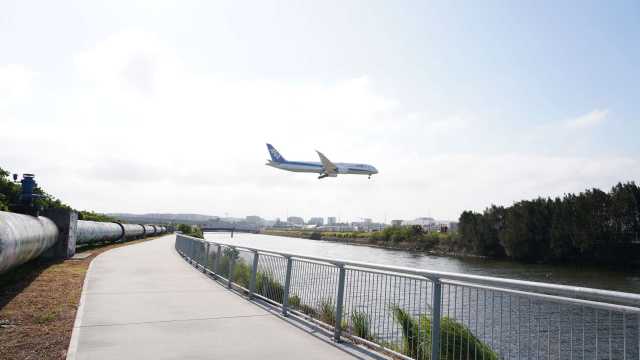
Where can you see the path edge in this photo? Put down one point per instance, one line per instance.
(75, 333)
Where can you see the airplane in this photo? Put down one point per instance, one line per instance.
(325, 167)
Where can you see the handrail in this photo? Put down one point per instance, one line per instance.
(629, 300)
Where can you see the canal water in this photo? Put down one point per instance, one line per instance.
(576, 275)
(513, 326)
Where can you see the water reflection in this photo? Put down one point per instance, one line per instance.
(576, 275)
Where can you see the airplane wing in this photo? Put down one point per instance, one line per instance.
(329, 167)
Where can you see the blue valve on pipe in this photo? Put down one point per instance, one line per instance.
(27, 195)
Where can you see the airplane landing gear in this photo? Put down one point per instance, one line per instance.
(369, 176)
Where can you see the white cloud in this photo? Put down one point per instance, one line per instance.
(16, 82)
(140, 128)
(592, 119)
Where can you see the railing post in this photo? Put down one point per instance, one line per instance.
(287, 285)
(337, 330)
(202, 253)
(216, 261)
(254, 274)
(207, 245)
(231, 261)
(435, 319)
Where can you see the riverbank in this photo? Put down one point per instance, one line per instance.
(38, 304)
(444, 244)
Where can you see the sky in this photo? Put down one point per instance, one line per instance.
(166, 106)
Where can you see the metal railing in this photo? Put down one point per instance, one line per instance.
(421, 314)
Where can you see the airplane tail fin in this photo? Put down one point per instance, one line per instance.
(275, 155)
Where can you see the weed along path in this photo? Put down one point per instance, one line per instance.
(145, 302)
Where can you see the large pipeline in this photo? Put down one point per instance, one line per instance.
(24, 237)
(149, 230)
(132, 231)
(94, 231)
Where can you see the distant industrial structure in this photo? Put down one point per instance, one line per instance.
(255, 223)
(319, 221)
(295, 220)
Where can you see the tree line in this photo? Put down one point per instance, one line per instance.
(10, 198)
(594, 227)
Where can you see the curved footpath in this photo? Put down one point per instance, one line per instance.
(144, 302)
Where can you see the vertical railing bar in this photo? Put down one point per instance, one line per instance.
(475, 348)
(583, 343)
(493, 343)
(484, 318)
(455, 316)
(624, 336)
(338, 326)
(254, 274)
(216, 260)
(549, 336)
(469, 321)
(448, 297)
(412, 309)
(538, 331)
(610, 333)
(529, 328)
(435, 319)
(369, 300)
(206, 262)
(500, 336)
(596, 315)
(231, 261)
(394, 300)
(268, 291)
(518, 329)
(559, 320)
(305, 276)
(571, 332)
(387, 289)
(287, 287)
(348, 282)
(462, 321)
(382, 286)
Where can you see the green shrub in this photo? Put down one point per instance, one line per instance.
(416, 338)
(294, 301)
(269, 287)
(231, 253)
(308, 310)
(360, 325)
(241, 273)
(328, 312)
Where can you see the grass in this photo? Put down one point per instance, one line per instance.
(38, 303)
(269, 287)
(328, 312)
(416, 338)
(360, 325)
(416, 331)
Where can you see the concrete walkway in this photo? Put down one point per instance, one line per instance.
(144, 302)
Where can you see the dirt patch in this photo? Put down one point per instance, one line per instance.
(38, 304)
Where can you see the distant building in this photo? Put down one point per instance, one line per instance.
(367, 226)
(253, 219)
(316, 221)
(396, 222)
(295, 220)
(331, 220)
(425, 222)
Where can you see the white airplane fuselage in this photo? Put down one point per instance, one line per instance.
(326, 168)
(317, 168)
